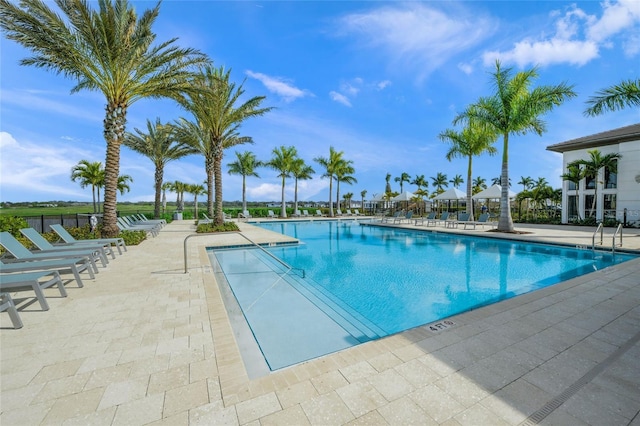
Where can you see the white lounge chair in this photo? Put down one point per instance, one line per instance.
(356, 212)
(319, 214)
(430, 216)
(244, 215)
(305, 213)
(271, 214)
(124, 225)
(69, 239)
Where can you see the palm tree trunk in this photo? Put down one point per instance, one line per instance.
(505, 223)
(469, 190)
(338, 193)
(330, 196)
(157, 201)
(217, 171)
(93, 194)
(114, 129)
(244, 193)
(295, 198)
(283, 213)
(210, 180)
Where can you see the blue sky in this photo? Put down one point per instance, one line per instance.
(376, 80)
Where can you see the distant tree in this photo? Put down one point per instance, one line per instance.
(439, 181)
(109, 50)
(330, 165)
(158, 144)
(195, 190)
(592, 168)
(344, 173)
(347, 199)
(614, 98)
(514, 109)
(166, 186)
(283, 162)
(89, 174)
(456, 181)
(479, 184)
(404, 177)
(363, 194)
(526, 182)
(420, 181)
(245, 166)
(387, 187)
(300, 171)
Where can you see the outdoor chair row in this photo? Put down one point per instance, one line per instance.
(24, 270)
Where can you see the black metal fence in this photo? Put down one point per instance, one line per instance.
(42, 223)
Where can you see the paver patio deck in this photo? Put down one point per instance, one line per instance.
(146, 343)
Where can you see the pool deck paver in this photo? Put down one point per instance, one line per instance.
(145, 343)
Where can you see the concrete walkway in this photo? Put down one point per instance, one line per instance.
(146, 343)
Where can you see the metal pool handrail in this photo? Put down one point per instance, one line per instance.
(613, 244)
(593, 238)
(286, 265)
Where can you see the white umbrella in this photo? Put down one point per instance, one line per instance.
(405, 196)
(494, 192)
(451, 194)
(379, 197)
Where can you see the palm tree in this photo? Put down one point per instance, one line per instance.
(245, 165)
(347, 199)
(299, 171)
(592, 168)
(165, 186)
(479, 184)
(195, 189)
(387, 188)
(472, 141)
(439, 182)
(160, 146)
(216, 125)
(283, 161)
(110, 51)
(363, 194)
(343, 173)
(526, 182)
(614, 98)
(89, 173)
(574, 175)
(514, 108)
(179, 188)
(456, 181)
(330, 165)
(540, 190)
(404, 177)
(420, 181)
(123, 184)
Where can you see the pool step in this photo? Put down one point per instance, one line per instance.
(354, 323)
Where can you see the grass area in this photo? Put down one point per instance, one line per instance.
(124, 209)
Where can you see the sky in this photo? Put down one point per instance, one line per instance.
(376, 80)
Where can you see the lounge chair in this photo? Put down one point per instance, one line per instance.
(131, 222)
(68, 239)
(296, 213)
(483, 220)
(46, 247)
(305, 213)
(348, 213)
(6, 304)
(421, 220)
(442, 219)
(271, 214)
(140, 218)
(463, 219)
(126, 226)
(319, 214)
(31, 281)
(338, 212)
(76, 266)
(23, 255)
(356, 212)
(244, 215)
(393, 218)
(406, 217)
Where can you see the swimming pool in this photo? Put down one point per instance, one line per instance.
(375, 281)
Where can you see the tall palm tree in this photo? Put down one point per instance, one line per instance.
(218, 116)
(574, 175)
(89, 173)
(109, 50)
(160, 146)
(614, 98)
(439, 181)
(456, 181)
(526, 182)
(363, 194)
(387, 188)
(300, 171)
(195, 189)
(479, 184)
(514, 108)
(592, 168)
(404, 177)
(245, 165)
(165, 186)
(420, 181)
(540, 190)
(123, 184)
(347, 199)
(283, 161)
(179, 188)
(344, 173)
(330, 165)
(472, 141)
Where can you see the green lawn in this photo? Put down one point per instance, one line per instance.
(124, 209)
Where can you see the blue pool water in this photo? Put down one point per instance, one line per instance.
(373, 281)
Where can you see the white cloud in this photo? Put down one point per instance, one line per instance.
(417, 36)
(340, 98)
(577, 37)
(39, 101)
(279, 86)
(383, 84)
(465, 68)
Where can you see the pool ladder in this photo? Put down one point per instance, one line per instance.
(600, 229)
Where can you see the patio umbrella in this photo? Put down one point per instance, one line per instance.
(493, 192)
(406, 196)
(451, 194)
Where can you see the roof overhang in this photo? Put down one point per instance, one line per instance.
(610, 137)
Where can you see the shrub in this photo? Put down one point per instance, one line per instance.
(130, 237)
(210, 227)
(13, 224)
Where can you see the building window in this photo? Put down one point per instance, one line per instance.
(590, 182)
(589, 207)
(572, 211)
(571, 186)
(610, 177)
(609, 206)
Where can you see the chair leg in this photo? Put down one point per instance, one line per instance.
(6, 304)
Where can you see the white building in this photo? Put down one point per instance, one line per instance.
(618, 195)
